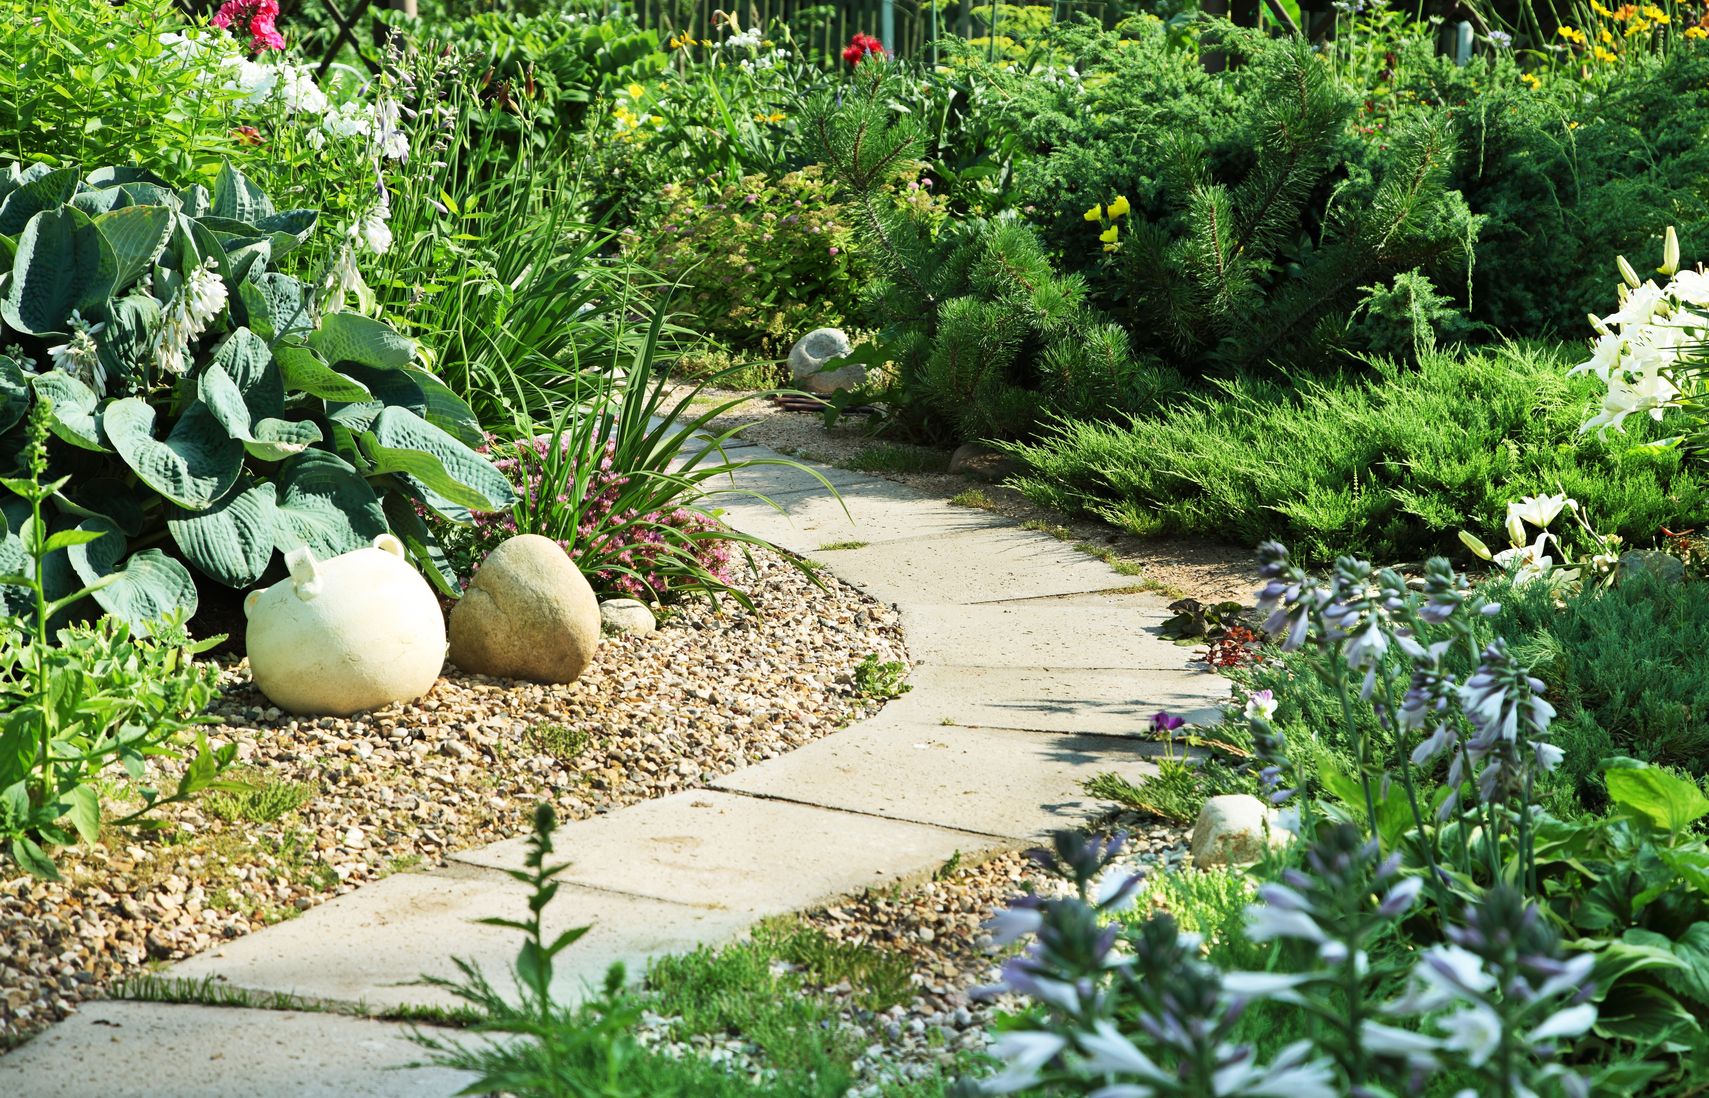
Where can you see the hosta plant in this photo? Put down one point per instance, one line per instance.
(207, 414)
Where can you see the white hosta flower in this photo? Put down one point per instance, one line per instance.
(389, 137)
(1571, 1022)
(1418, 1049)
(348, 120)
(1109, 1053)
(1474, 1031)
(1024, 1055)
(1266, 921)
(80, 354)
(1443, 975)
(198, 301)
(372, 231)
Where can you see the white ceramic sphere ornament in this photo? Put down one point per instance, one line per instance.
(355, 632)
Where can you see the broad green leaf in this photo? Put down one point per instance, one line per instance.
(128, 343)
(447, 410)
(107, 497)
(1654, 796)
(63, 264)
(232, 541)
(148, 586)
(404, 442)
(277, 306)
(236, 198)
(14, 392)
(248, 362)
(74, 407)
(352, 337)
(85, 812)
(267, 439)
(45, 190)
(33, 860)
(288, 229)
(304, 372)
(325, 504)
(195, 465)
(137, 235)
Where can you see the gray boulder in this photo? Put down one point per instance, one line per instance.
(627, 616)
(807, 363)
(1234, 830)
(528, 614)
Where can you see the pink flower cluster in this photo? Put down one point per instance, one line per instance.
(624, 551)
(258, 17)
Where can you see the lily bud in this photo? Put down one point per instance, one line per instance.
(1670, 253)
(1478, 548)
(1515, 529)
(1627, 274)
(1596, 325)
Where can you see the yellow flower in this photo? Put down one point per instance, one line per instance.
(1571, 34)
(636, 92)
(774, 116)
(1530, 80)
(1600, 10)
(1652, 12)
(1603, 55)
(1604, 37)
(1108, 236)
(1096, 213)
(1696, 32)
(683, 41)
(1119, 207)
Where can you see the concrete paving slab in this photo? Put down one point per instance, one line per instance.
(369, 946)
(1081, 631)
(740, 854)
(1104, 703)
(810, 520)
(975, 567)
(1013, 784)
(146, 1050)
(776, 478)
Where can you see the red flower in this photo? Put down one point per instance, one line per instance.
(860, 47)
(258, 16)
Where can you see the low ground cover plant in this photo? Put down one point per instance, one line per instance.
(1392, 467)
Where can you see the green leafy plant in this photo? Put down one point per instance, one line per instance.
(198, 399)
(80, 699)
(881, 679)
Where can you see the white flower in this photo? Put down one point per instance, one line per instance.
(1266, 921)
(1548, 755)
(1539, 511)
(1109, 1053)
(1571, 1022)
(1014, 923)
(1573, 974)
(1261, 705)
(251, 79)
(1264, 985)
(1023, 1054)
(389, 139)
(1526, 562)
(1604, 358)
(1367, 648)
(80, 355)
(1416, 1048)
(1444, 974)
(1475, 1031)
(348, 120)
(300, 93)
(372, 231)
(1691, 287)
(197, 302)
(1640, 306)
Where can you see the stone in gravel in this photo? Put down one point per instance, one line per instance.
(1665, 567)
(627, 616)
(1233, 830)
(528, 614)
(972, 459)
(808, 357)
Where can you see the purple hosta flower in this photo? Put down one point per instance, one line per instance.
(1079, 858)
(1024, 1055)
(1504, 703)
(1328, 904)
(1445, 591)
(1498, 993)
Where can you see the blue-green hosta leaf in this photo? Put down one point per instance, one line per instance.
(74, 406)
(37, 191)
(235, 197)
(95, 201)
(325, 504)
(352, 337)
(193, 466)
(15, 601)
(446, 410)
(63, 264)
(277, 306)
(137, 235)
(105, 497)
(304, 372)
(403, 442)
(265, 437)
(127, 343)
(150, 584)
(288, 229)
(123, 176)
(232, 541)
(14, 392)
(248, 363)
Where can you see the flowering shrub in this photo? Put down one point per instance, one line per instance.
(862, 46)
(255, 16)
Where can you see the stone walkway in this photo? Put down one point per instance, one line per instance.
(1034, 665)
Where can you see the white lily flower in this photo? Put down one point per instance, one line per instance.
(1539, 511)
(1639, 307)
(1691, 287)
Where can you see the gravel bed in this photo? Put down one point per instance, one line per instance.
(345, 801)
(939, 927)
